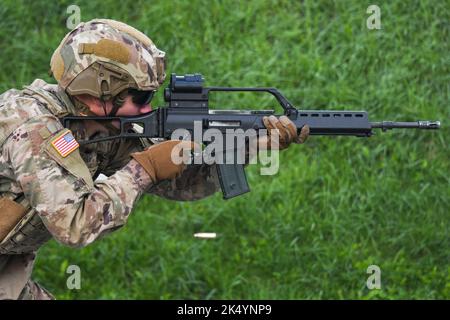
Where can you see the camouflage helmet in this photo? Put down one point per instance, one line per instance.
(104, 57)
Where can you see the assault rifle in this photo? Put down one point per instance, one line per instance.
(188, 100)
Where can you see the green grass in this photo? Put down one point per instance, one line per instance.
(337, 204)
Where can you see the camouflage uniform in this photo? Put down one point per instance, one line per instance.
(59, 195)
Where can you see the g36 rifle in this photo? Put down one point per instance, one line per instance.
(188, 101)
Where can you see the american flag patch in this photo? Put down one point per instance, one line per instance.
(65, 143)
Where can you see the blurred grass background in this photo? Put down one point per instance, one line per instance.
(337, 204)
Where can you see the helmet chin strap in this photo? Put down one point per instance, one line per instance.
(118, 102)
(104, 107)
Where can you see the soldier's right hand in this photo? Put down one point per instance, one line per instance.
(165, 160)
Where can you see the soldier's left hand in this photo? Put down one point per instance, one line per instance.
(287, 133)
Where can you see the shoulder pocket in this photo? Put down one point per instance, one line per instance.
(71, 162)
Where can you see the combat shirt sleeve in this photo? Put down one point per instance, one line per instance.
(74, 209)
(196, 182)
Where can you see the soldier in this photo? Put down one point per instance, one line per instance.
(48, 185)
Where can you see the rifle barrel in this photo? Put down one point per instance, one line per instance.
(387, 125)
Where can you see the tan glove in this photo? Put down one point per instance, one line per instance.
(287, 133)
(157, 159)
